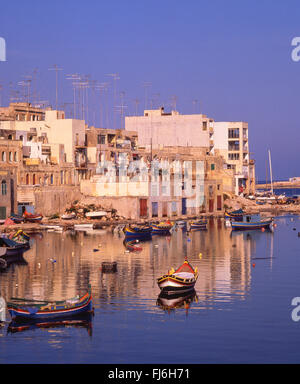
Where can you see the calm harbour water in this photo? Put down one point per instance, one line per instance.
(241, 312)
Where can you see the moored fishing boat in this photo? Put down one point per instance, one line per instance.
(21, 237)
(198, 224)
(96, 214)
(252, 222)
(11, 247)
(181, 280)
(235, 215)
(31, 218)
(20, 308)
(138, 231)
(68, 216)
(17, 219)
(163, 228)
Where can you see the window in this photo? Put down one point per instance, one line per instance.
(3, 188)
(233, 156)
(51, 179)
(233, 133)
(204, 126)
(10, 156)
(15, 157)
(233, 145)
(212, 167)
(101, 139)
(3, 156)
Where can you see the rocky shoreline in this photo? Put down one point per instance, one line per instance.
(113, 220)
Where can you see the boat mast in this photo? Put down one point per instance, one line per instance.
(271, 176)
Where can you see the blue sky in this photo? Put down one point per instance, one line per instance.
(234, 57)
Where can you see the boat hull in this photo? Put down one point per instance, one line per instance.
(131, 233)
(52, 312)
(236, 225)
(161, 230)
(171, 283)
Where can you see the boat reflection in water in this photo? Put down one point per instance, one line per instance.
(80, 321)
(169, 302)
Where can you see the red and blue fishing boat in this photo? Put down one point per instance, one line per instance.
(138, 231)
(31, 218)
(252, 222)
(10, 247)
(27, 309)
(235, 215)
(198, 224)
(181, 280)
(163, 228)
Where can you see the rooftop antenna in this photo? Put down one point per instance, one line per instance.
(146, 85)
(155, 100)
(115, 77)
(74, 77)
(24, 84)
(34, 93)
(121, 108)
(195, 101)
(174, 102)
(103, 88)
(56, 69)
(136, 102)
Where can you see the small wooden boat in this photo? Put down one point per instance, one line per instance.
(20, 308)
(69, 216)
(31, 218)
(96, 215)
(162, 228)
(251, 222)
(198, 224)
(235, 215)
(17, 219)
(181, 280)
(11, 247)
(138, 231)
(20, 237)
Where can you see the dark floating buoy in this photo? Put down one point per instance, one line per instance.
(298, 234)
(294, 229)
(109, 266)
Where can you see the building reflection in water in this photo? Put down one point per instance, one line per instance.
(61, 265)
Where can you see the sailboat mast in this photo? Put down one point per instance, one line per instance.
(271, 176)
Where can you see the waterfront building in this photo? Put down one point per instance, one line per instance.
(231, 141)
(158, 129)
(10, 155)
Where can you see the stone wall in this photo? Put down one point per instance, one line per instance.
(51, 200)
